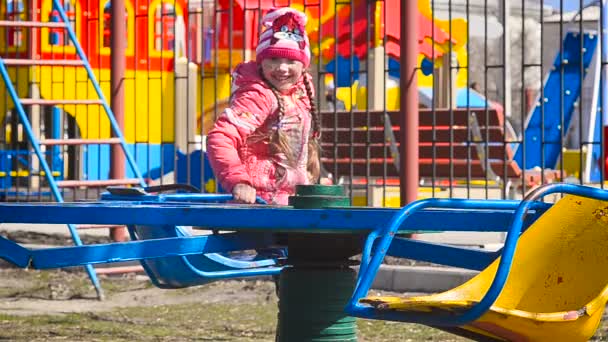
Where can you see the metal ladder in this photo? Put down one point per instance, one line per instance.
(36, 143)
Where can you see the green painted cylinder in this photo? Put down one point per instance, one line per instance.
(319, 196)
(316, 286)
(319, 190)
(311, 305)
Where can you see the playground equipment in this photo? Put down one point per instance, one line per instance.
(17, 97)
(524, 291)
(545, 127)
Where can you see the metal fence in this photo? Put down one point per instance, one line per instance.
(509, 93)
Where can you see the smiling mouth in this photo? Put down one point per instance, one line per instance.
(282, 78)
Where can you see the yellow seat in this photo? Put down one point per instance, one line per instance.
(556, 290)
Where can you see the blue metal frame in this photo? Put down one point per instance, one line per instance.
(370, 269)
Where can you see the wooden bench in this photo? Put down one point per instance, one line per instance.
(453, 144)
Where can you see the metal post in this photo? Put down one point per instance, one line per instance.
(118, 66)
(506, 56)
(117, 97)
(408, 149)
(34, 92)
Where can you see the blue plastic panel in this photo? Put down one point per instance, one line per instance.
(542, 136)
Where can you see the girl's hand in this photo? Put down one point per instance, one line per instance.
(244, 193)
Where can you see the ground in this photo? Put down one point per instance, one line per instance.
(61, 305)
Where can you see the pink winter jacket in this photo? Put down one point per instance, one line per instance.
(238, 144)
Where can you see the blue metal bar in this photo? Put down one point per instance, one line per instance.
(144, 249)
(356, 309)
(14, 253)
(113, 123)
(473, 259)
(367, 250)
(239, 217)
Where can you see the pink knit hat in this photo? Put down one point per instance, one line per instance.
(285, 36)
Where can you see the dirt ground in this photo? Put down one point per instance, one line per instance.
(22, 292)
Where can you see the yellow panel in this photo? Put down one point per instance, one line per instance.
(572, 161)
(392, 98)
(21, 74)
(348, 95)
(557, 288)
(149, 102)
(360, 201)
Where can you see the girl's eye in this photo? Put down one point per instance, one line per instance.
(284, 28)
(296, 31)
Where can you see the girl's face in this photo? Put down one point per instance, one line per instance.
(282, 73)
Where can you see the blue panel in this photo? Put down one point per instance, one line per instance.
(394, 68)
(158, 159)
(542, 139)
(6, 164)
(348, 71)
(465, 98)
(595, 173)
(96, 162)
(189, 169)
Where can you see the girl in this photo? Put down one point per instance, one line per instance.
(266, 141)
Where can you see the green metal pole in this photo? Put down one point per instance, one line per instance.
(317, 283)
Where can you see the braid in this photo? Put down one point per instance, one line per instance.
(279, 143)
(316, 124)
(314, 148)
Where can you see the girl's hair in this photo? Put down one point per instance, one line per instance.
(314, 147)
(279, 143)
